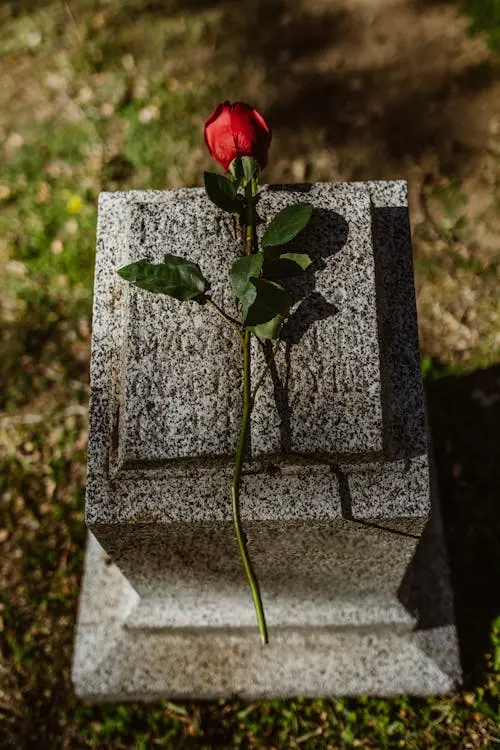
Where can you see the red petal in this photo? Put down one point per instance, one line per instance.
(243, 128)
(219, 135)
(263, 124)
(237, 129)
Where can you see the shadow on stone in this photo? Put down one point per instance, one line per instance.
(402, 404)
(425, 589)
(464, 414)
(325, 236)
(347, 511)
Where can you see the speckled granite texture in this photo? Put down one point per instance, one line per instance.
(181, 375)
(119, 656)
(336, 497)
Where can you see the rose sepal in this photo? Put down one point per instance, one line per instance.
(245, 170)
(223, 193)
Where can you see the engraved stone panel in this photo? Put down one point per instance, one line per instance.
(181, 364)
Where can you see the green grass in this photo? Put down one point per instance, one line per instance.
(485, 18)
(57, 207)
(128, 113)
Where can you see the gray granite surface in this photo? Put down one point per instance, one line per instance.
(120, 655)
(336, 495)
(149, 377)
(307, 563)
(181, 366)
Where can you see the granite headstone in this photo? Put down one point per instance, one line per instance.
(337, 501)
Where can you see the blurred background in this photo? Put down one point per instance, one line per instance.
(111, 95)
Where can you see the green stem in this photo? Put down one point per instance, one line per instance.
(235, 488)
(243, 440)
(224, 315)
(250, 219)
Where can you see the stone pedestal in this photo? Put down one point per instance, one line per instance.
(337, 500)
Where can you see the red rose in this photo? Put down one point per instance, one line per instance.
(234, 130)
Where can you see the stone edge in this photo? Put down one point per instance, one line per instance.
(106, 349)
(113, 662)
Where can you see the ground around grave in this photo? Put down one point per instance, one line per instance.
(109, 94)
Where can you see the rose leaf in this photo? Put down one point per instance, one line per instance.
(287, 224)
(175, 277)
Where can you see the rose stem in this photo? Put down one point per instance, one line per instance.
(240, 453)
(250, 219)
(224, 315)
(235, 487)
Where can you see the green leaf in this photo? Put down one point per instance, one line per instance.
(222, 192)
(279, 265)
(247, 299)
(244, 169)
(270, 300)
(269, 330)
(287, 224)
(250, 167)
(236, 171)
(272, 296)
(301, 259)
(176, 277)
(242, 271)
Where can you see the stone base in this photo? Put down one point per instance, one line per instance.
(122, 656)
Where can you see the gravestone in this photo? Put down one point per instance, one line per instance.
(337, 500)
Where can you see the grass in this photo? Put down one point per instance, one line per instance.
(112, 96)
(485, 17)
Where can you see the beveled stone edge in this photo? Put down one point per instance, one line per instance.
(120, 466)
(106, 347)
(101, 641)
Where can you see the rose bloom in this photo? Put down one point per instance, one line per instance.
(235, 130)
